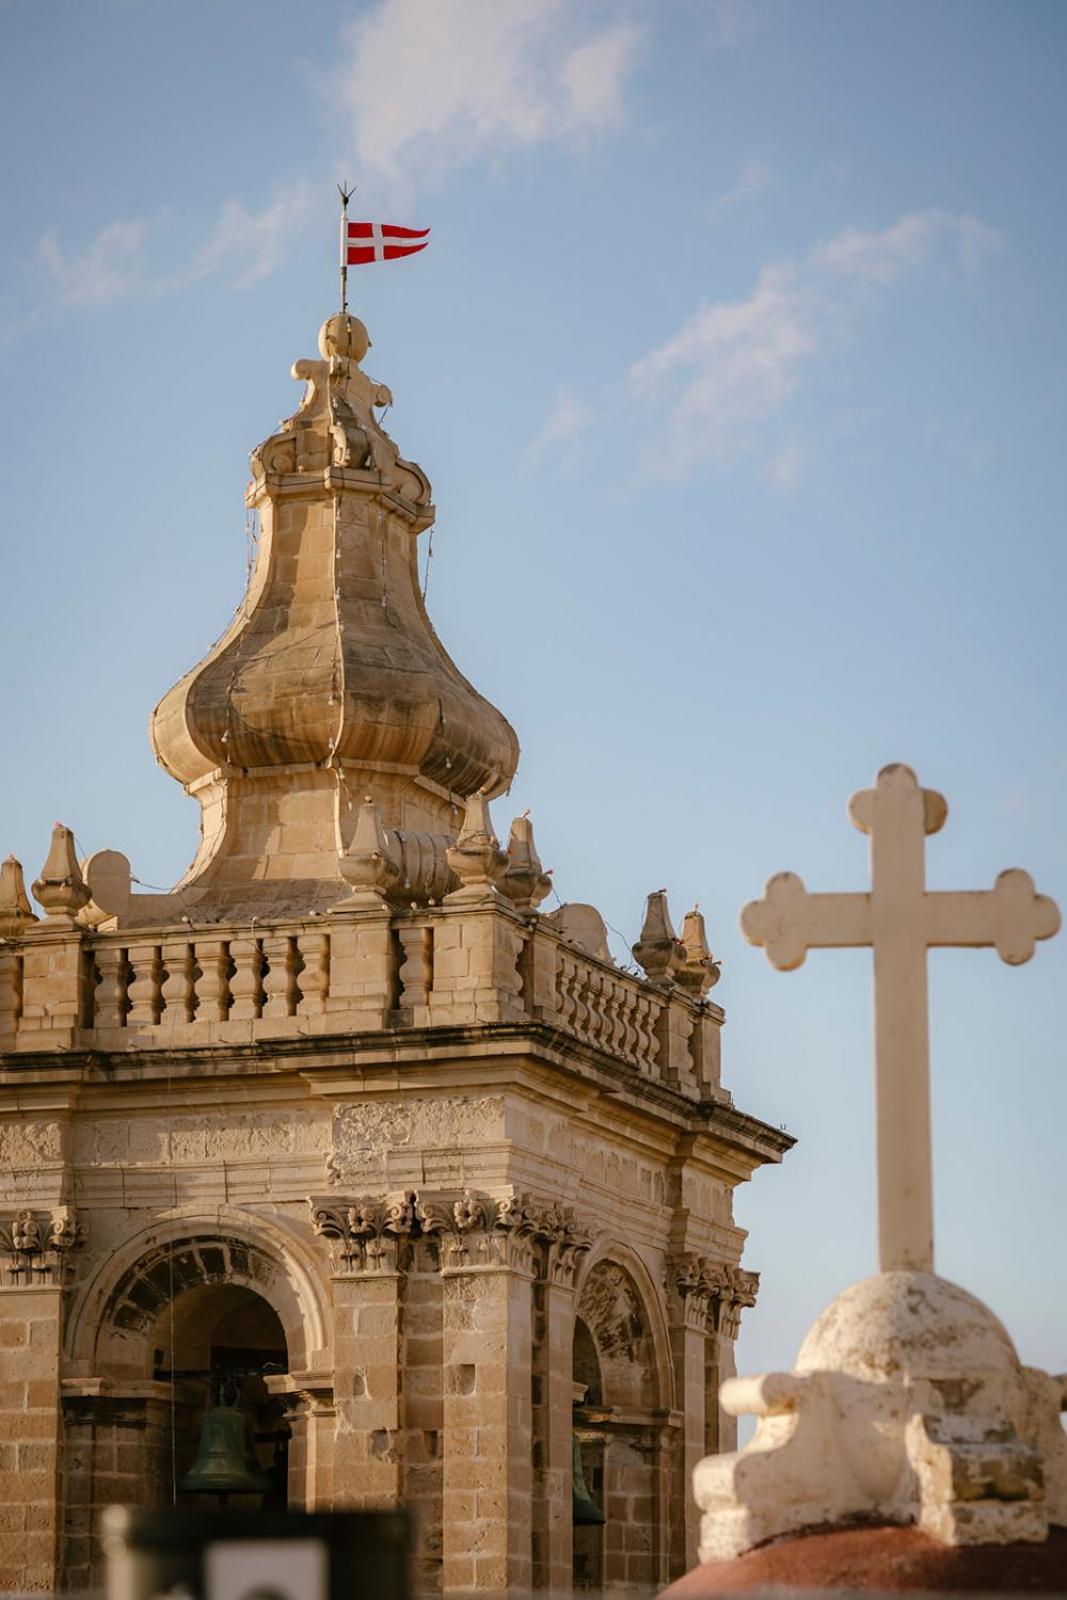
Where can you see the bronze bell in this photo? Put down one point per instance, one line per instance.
(584, 1510)
(225, 1459)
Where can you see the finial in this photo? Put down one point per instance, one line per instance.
(476, 857)
(345, 337)
(16, 914)
(701, 971)
(525, 882)
(61, 888)
(659, 951)
(369, 864)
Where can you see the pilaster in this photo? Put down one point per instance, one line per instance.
(487, 1325)
(564, 1244)
(367, 1455)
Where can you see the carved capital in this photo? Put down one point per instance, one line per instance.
(40, 1250)
(693, 1281)
(364, 1234)
(472, 1231)
(740, 1291)
(708, 1296)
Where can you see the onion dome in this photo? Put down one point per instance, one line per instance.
(330, 673)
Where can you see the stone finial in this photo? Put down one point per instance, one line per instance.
(659, 950)
(16, 914)
(701, 971)
(61, 889)
(525, 882)
(476, 857)
(369, 864)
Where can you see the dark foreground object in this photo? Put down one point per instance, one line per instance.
(885, 1559)
(256, 1555)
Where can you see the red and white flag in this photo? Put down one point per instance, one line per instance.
(380, 241)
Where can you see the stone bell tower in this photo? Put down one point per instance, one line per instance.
(344, 1126)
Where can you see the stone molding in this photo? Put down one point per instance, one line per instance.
(39, 1253)
(473, 1231)
(709, 1296)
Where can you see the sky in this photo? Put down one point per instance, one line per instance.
(736, 361)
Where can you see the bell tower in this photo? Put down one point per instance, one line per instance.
(344, 1137)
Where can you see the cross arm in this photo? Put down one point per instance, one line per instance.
(1010, 916)
(788, 921)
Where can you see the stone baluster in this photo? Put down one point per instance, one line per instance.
(213, 984)
(314, 980)
(246, 984)
(110, 1003)
(279, 980)
(179, 987)
(416, 965)
(145, 996)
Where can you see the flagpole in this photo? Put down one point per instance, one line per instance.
(346, 195)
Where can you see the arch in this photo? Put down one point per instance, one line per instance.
(109, 1328)
(607, 1251)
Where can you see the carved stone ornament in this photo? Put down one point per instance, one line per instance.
(40, 1253)
(710, 1295)
(701, 971)
(659, 950)
(472, 1230)
(525, 882)
(61, 889)
(16, 914)
(476, 857)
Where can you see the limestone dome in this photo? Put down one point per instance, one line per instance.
(906, 1325)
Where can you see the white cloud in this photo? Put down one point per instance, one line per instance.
(881, 258)
(595, 73)
(247, 246)
(726, 370)
(753, 179)
(111, 267)
(716, 386)
(568, 417)
(250, 243)
(437, 84)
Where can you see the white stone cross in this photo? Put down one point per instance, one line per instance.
(901, 919)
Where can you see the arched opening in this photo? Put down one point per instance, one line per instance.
(218, 1344)
(618, 1422)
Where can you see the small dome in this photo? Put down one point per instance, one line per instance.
(907, 1325)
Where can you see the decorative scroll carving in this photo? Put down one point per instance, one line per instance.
(40, 1253)
(709, 1296)
(472, 1230)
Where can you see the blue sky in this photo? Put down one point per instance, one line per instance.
(736, 362)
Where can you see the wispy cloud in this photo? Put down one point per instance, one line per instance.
(727, 369)
(716, 384)
(244, 247)
(434, 86)
(569, 416)
(110, 267)
(880, 258)
(248, 246)
(754, 179)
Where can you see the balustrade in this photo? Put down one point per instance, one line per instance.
(272, 980)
